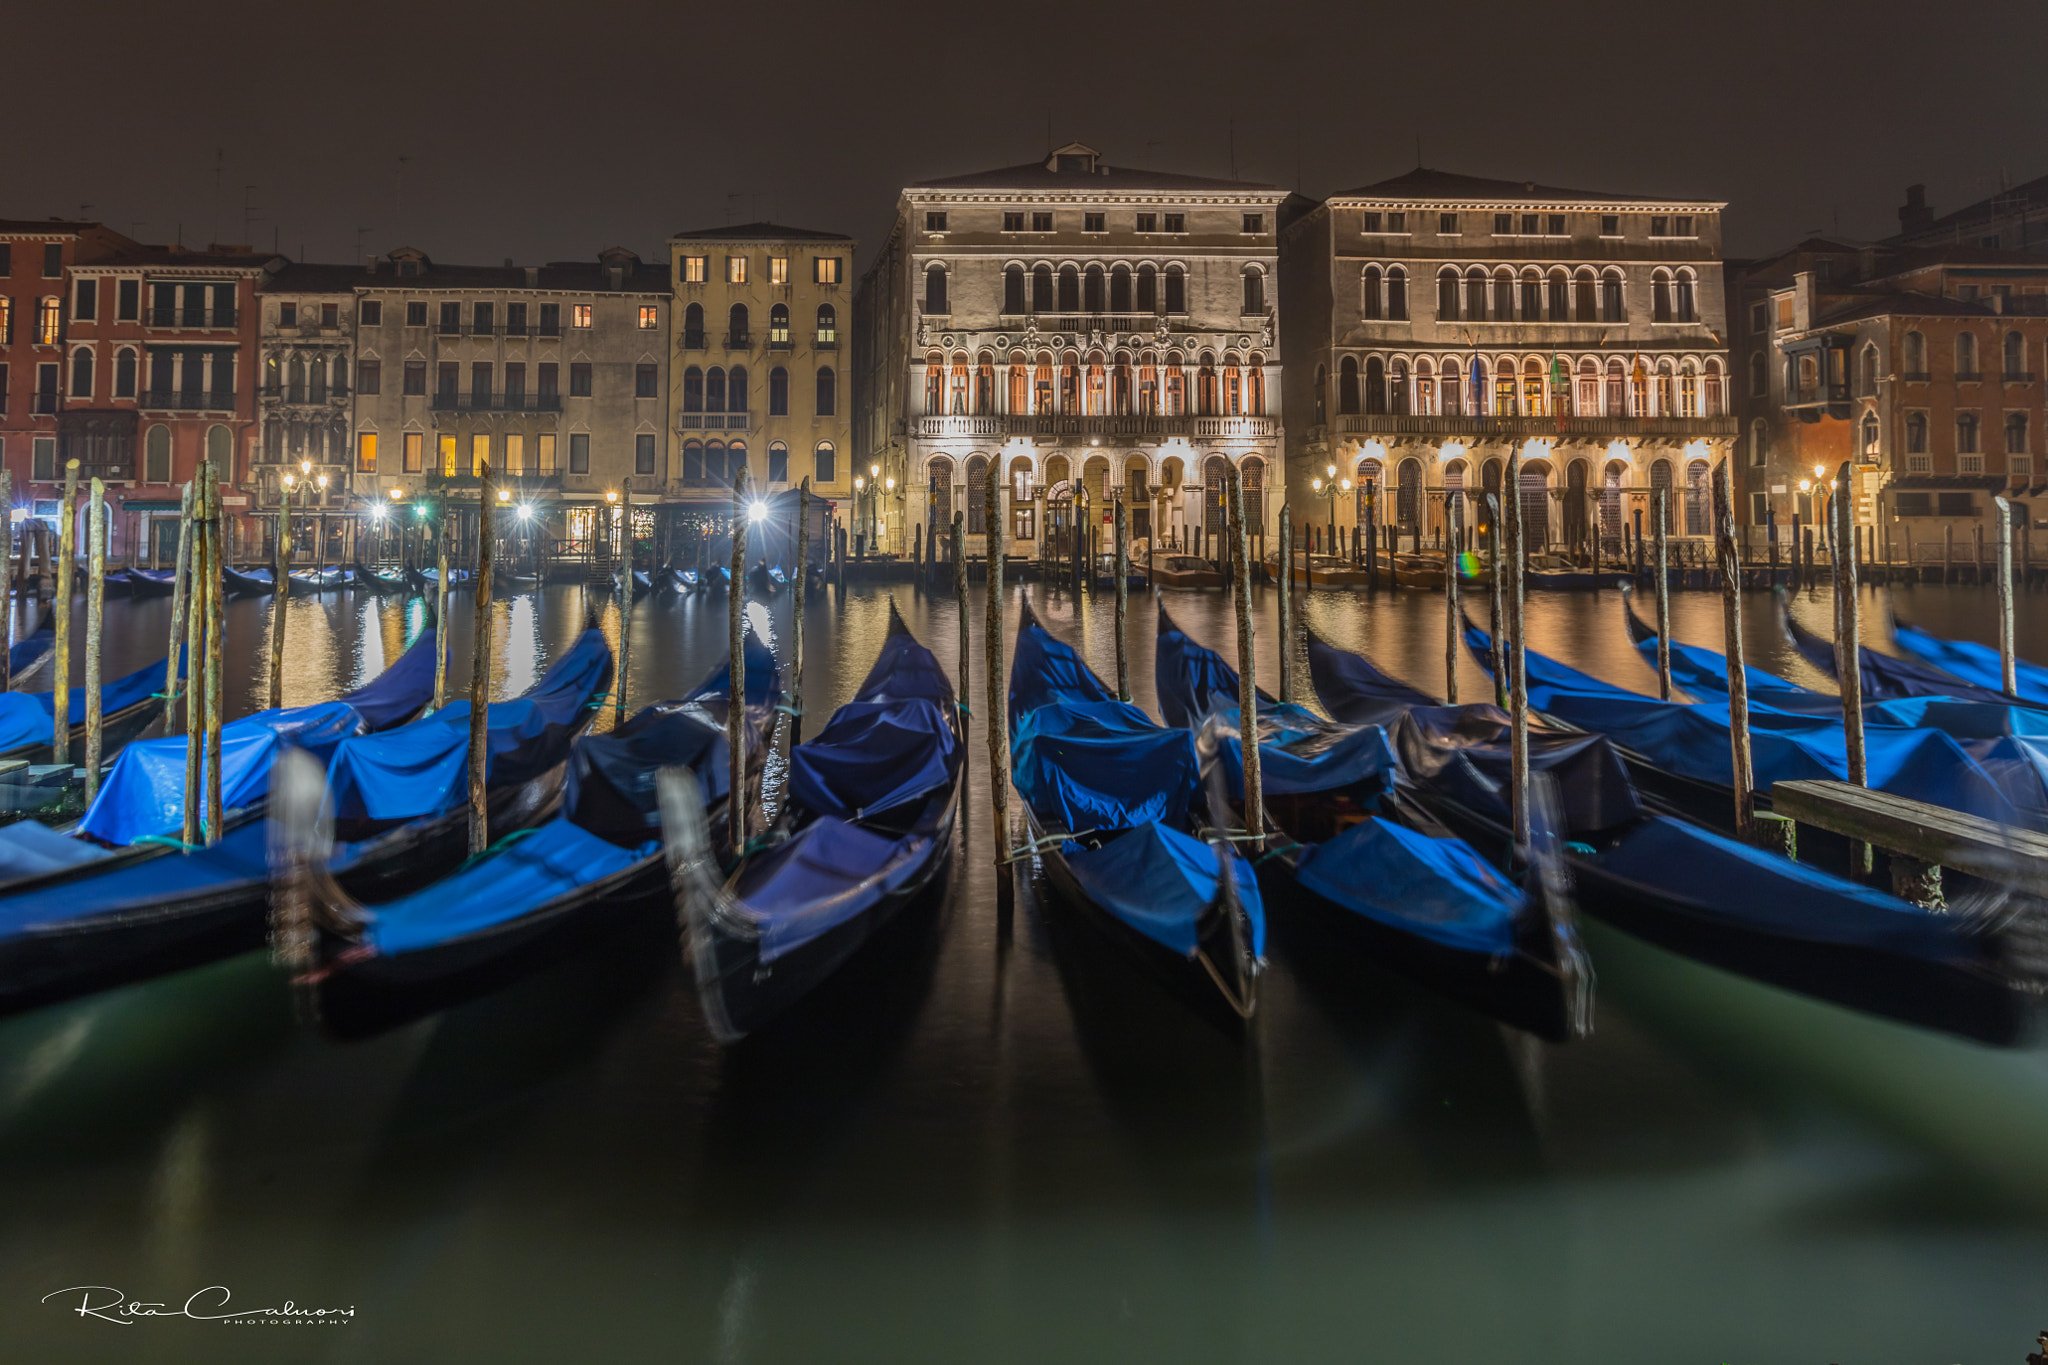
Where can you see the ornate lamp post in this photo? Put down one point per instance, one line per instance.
(1329, 486)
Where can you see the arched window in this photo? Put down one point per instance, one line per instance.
(824, 463)
(295, 379)
(985, 386)
(1205, 393)
(1584, 304)
(1254, 470)
(935, 289)
(1532, 295)
(316, 374)
(1610, 499)
(1375, 386)
(1916, 433)
(1447, 295)
(1347, 385)
(1408, 494)
(1916, 355)
(1574, 507)
(157, 455)
(1233, 388)
(1397, 294)
(735, 460)
(693, 461)
(1870, 437)
(1425, 388)
(977, 495)
(1612, 308)
(1070, 388)
(736, 326)
(1013, 290)
(1866, 372)
(938, 472)
(828, 392)
(1120, 386)
(693, 389)
(1966, 434)
(828, 325)
(1586, 398)
(1148, 289)
(273, 440)
(1120, 289)
(1504, 295)
(1560, 296)
(1176, 388)
(1616, 399)
(81, 373)
(1535, 388)
(1699, 519)
(1176, 290)
(1093, 296)
(693, 337)
(1684, 305)
(1397, 387)
(714, 389)
(1254, 293)
(1041, 289)
(2015, 355)
(1369, 293)
(1475, 294)
(736, 389)
(1255, 387)
(778, 325)
(714, 462)
(1660, 296)
(778, 462)
(957, 404)
(1688, 391)
(1716, 396)
(1449, 394)
(1664, 389)
(1966, 355)
(1070, 289)
(2015, 433)
(778, 392)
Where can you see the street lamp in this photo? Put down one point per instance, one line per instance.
(1330, 486)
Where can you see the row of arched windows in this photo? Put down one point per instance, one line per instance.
(725, 390)
(1573, 505)
(719, 462)
(1124, 386)
(1504, 294)
(84, 379)
(738, 323)
(1968, 363)
(304, 381)
(1070, 288)
(1968, 438)
(1060, 485)
(1529, 386)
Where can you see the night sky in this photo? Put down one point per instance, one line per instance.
(546, 132)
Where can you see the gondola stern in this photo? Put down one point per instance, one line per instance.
(696, 890)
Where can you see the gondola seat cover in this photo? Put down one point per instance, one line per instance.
(1748, 886)
(893, 743)
(29, 848)
(555, 859)
(1972, 662)
(1438, 889)
(26, 717)
(145, 792)
(1103, 766)
(821, 879)
(422, 769)
(1162, 882)
(1300, 753)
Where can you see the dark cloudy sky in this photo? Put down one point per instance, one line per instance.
(548, 131)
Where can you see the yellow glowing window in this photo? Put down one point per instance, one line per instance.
(735, 270)
(48, 313)
(366, 452)
(650, 316)
(414, 441)
(694, 269)
(546, 451)
(479, 453)
(515, 453)
(825, 270)
(448, 457)
(778, 270)
(579, 315)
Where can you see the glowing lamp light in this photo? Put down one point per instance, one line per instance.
(377, 512)
(757, 511)
(396, 494)
(859, 483)
(288, 481)
(1329, 471)
(305, 467)
(525, 510)
(323, 483)
(611, 495)
(1820, 471)
(504, 495)
(1805, 485)
(1316, 484)
(423, 511)
(891, 485)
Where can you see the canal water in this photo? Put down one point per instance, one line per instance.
(992, 1141)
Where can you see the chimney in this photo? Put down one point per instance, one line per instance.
(618, 276)
(1915, 215)
(370, 262)
(533, 277)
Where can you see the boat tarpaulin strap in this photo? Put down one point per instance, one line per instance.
(1162, 882)
(1438, 889)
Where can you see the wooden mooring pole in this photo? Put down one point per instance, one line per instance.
(992, 663)
(1452, 627)
(1738, 679)
(736, 668)
(1517, 679)
(959, 553)
(796, 610)
(480, 671)
(216, 635)
(175, 671)
(1849, 652)
(1660, 517)
(280, 595)
(1123, 574)
(95, 611)
(1286, 605)
(60, 669)
(1247, 668)
(2008, 674)
(1497, 618)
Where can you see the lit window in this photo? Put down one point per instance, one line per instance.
(693, 269)
(735, 270)
(778, 270)
(579, 315)
(48, 320)
(448, 457)
(546, 444)
(825, 270)
(414, 440)
(479, 453)
(650, 316)
(366, 452)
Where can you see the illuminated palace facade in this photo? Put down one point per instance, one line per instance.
(1435, 322)
(1067, 323)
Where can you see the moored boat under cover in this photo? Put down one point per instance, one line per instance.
(1972, 662)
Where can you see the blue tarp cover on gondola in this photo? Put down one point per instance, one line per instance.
(553, 860)
(1767, 892)
(32, 649)
(26, 718)
(238, 860)
(422, 769)
(1193, 681)
(1438, 889)
(1300, 753)
(145, 792)
(892, 743)
(1972, 662)
(1885, 677)
(1692, 740)
(1103, 766)
(400, 690)
(1047, 670)
(1161, 882)
(828, 872)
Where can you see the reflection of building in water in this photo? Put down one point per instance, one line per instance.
(1435, 322)
(1080, 328)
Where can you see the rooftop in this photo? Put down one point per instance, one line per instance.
(1426, 183)
(759, 232)
(1078, 168)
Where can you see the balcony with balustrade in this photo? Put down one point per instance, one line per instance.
(1001, 426)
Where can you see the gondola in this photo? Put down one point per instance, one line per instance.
(1185, 571)
(868, 827)
(1886, 677)
(127, 705)
(505, 582)
(1355, 859)
(1971, 662)
(1694, 891)
(1679, 752)
(427, 582)
(1320, 571)
(370, 580)
(1109, 797)
(246, 582)
(1554, 573)
(594, 864)
(152, 582)
(1412, 570)
(33, 651)
(683, 580)
(321, 580)
(766, 580)
(117, 583)
(120, 898)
